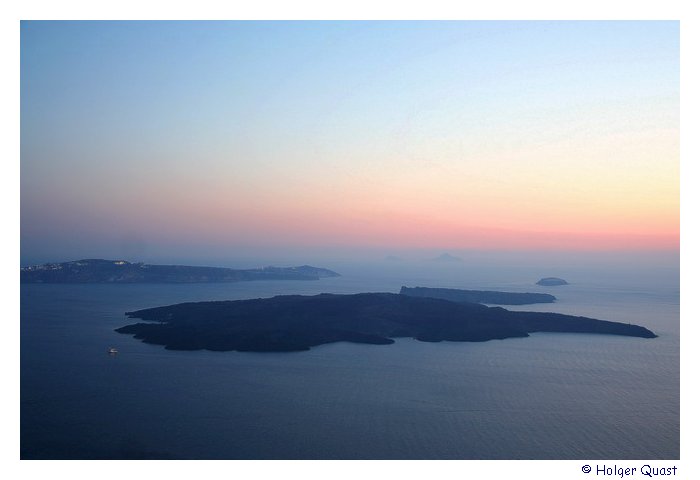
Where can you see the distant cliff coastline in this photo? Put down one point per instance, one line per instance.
(120, 271)
(479, 296)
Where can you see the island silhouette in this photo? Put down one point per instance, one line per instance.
(296, 322)
(479, 296)
(121, 271)
(551, 282)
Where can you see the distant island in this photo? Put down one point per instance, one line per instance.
(446, 257)
(551, 281)
(296, 323)
(121, 271)
(479, 296)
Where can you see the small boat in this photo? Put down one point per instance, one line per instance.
(112, 351)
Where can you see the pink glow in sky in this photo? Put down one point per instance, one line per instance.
(486, 135)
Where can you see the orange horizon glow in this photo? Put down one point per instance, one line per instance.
(531, 140)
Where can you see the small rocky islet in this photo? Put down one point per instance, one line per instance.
(551, 282)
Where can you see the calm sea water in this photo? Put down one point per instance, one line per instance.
(550, 396)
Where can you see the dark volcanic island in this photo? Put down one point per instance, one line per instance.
(479, 296)
(293, 322)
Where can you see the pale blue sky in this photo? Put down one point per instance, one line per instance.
(121, 114)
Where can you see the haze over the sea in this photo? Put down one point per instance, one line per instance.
(203, 141)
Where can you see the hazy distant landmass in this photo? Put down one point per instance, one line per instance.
(479, 296)
(446, 257)
(294, 322)
(120, 271)
(551, 281)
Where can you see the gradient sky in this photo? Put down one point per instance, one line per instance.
(140, 137)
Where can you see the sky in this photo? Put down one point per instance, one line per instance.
(205, 139)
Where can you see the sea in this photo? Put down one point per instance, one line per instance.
(548, 396)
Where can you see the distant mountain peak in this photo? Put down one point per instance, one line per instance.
(446, 257)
